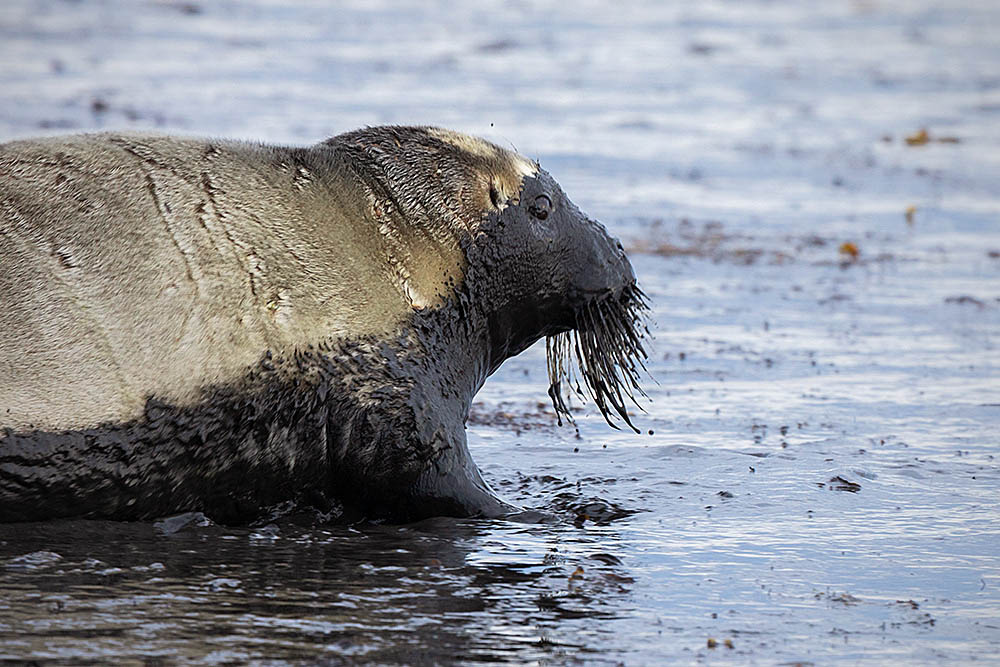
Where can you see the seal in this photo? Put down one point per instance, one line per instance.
(227, 327)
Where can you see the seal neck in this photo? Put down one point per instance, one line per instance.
(473, 334)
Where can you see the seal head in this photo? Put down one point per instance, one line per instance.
(564, 277)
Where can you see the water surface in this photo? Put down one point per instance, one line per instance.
(816, 479)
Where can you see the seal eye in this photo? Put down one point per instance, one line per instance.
(541, 207)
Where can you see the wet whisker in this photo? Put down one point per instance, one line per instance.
(607, 344)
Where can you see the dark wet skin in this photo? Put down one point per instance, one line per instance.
(362, 428)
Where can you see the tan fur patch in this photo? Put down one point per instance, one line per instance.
(518, 164)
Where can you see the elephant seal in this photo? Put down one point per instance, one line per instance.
(226, 327)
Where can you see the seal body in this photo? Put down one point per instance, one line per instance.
(219, 326)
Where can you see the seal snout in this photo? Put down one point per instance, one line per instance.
(607, 272)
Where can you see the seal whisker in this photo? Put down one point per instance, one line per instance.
(606, 364)
(630, 351)
(607, 343)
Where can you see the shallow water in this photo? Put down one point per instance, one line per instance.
(816, 480)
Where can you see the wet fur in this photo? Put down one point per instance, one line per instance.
(342, 427)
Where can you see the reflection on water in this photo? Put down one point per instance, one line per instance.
(431, 592)
(817, 476)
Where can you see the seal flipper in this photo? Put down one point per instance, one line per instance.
(452, 485)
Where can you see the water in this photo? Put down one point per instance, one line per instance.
(816, 480)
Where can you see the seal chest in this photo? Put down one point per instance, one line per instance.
(222, 326)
